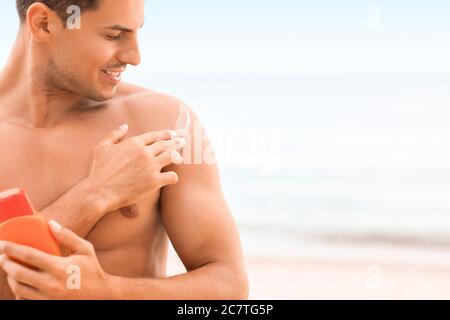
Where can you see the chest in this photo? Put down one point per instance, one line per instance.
(44, 166)
(48, 166)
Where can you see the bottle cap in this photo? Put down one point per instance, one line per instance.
(14, 203)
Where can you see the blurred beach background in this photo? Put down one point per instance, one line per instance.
(331, 122)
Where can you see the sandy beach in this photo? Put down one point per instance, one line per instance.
(322, 279)
(382, 273)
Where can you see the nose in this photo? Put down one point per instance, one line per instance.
(130, 54)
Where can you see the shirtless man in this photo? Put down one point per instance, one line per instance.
(121, 192)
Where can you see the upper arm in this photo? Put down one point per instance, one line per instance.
(194, 211)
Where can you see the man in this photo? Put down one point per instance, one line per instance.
(120, 191)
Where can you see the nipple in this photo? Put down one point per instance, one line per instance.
(130, 211)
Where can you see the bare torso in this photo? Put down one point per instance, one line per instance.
(49, 161)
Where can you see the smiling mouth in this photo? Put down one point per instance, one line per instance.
(114, 76)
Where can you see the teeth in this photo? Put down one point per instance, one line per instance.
(113, 74)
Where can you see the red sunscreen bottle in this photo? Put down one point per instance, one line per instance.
(20, 224)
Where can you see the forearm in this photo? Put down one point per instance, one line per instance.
(214, 281)
(79, 209)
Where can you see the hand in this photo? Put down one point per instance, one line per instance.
(126, 171)
(78, 276)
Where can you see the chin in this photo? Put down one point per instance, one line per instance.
(103, 95)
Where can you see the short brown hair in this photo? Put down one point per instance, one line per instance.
(59, 6)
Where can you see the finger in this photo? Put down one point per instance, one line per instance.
(22, 274)
(69, 239)
(162, 146)
(169, 178)
(114, 137)
(24, 292)
(28, 255)
(149, 138)
(169, 157)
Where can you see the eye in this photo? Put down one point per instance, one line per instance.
(113, 37)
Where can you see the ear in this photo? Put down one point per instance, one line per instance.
(41, 21)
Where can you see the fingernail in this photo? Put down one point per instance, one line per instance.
(55, 226)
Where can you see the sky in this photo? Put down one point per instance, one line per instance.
(312, 37)
(293, 36)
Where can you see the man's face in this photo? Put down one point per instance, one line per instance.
(88, 61)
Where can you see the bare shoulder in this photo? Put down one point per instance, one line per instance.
(148, 109)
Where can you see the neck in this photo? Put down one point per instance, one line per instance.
(30, 102)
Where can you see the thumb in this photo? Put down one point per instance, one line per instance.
(114, 137)
(69, 239)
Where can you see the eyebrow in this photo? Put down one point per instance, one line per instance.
(119, 27)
